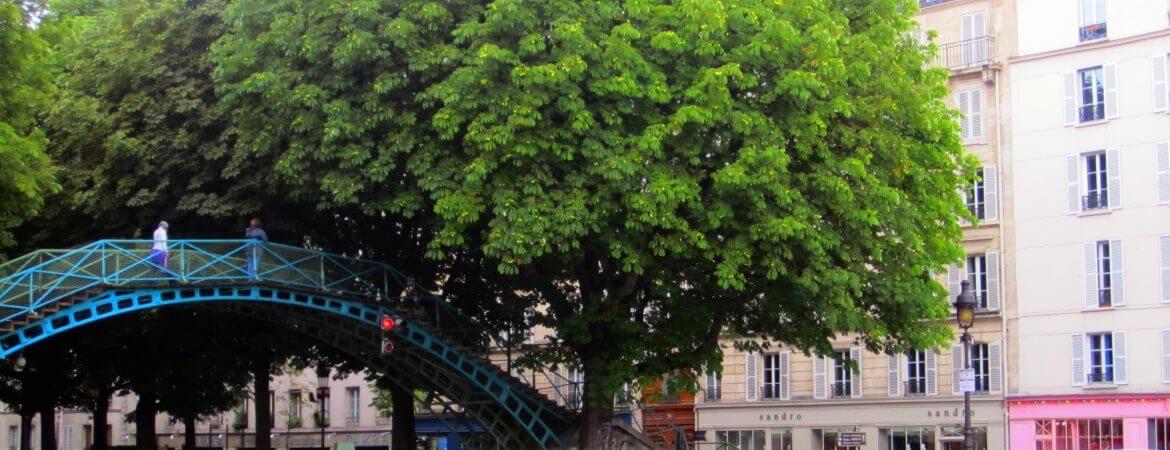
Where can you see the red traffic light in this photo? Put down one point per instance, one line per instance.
(387, 346)
(388, 322)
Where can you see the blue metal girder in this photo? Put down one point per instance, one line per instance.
(529, 413)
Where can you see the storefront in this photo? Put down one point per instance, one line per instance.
(917, 424)
(1090, 422)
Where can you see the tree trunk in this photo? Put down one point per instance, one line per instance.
(595, 415)
(261, 371)
(144, 414)
(188, 433)
(48, 427)
(402, 418)
(26, 423)
(101, 419)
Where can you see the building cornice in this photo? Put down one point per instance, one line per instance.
(847, 403)
(1091, 46)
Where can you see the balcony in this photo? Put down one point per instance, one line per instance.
(975, 53)
(1100, 376)
(771, 392)
(713, 394)
(1094, 201)
(1093, 32)
(1104, 296)
(914, 388)
(840, 390)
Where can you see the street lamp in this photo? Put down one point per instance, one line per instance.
(322, 397)
(965, 314)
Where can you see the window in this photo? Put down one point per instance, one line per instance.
(744, 439)
(907, 438)
(1104, 274)
(1084, 434)
(1092, 94)
(842, 375)
(977, 274)
(1096, 182)
(971, 120)
(828, 438)
(294, 408)
(915, 372)
(67, 437)
(981, 362)
(1100, 358)
(714, 386)
(354, 400)
(772, 376)
(976, 202)
(1092, 19)
(13, 437)
(1159, 433)
(272, 409)
(781, 439)
(973, 32)
(577, 378)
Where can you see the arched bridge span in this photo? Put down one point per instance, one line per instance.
(335, 298)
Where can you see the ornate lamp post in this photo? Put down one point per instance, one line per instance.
(322, 397)
(965, 306)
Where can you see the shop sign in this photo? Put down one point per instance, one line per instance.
(850, 439)
(957, 412)
(780, 417)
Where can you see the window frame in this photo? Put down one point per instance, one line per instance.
(981, 363)
(842, 385)
(1096, 172)
(1095, 91)
(353, 402)
(976, 194)
(772, 377)
(1101, 358)
(915, 372)
(1104, 267)
(714, 390)
(977, 273)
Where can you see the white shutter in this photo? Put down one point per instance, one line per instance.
(991, 192)
(1078, 360)
(1091, 296)
(973, 26)
(956, 366)
(1160, 95)
(785, 378)
(1163, 156)
(1120, 360)
(975, 103)
(965, 115)
(1070, 98)
(992, 281)
(954, 278)
(820, 384)
(931, 373)
(1113, 171)
(855, 380)
(1164, 243)
(894, 375)
(1116, 272)
(1110, 75)
(1074, 183)
(1166, 356)
(995, 367)
(751, 391)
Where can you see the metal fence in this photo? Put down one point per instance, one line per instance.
(966, 54)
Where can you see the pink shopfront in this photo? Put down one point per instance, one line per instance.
(1089, 422)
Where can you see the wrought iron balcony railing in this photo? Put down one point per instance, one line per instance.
(840, 390)
(1093, 32)
(1100, 376)
(1104, 296)
(1095, 200)
(914, 388)
(967, 54)
(771, 392)
(713, 394)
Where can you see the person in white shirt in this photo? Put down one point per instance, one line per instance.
(158, 251)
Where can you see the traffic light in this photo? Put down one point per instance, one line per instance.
(387, 346)
(390, 323)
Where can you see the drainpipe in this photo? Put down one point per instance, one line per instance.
(1004, 360)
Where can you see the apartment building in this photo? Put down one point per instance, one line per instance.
(786, 400)
(1091, 331)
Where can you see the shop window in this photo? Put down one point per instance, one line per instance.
(951, 437)
(1160, 434)
(744, 439)
(1084, 434)
(914, 438)
(780, 439)
(827, 438)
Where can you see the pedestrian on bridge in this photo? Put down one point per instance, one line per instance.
(158, 250)
(255, 233)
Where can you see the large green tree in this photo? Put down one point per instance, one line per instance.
(646, 174)
(24, 85)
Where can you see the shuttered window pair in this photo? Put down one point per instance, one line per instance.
(1100, 358)
(1094, 181)
(982, 270)
(985, 360)
(982, 195)
(971, 114)
(913, 373)
(1104, 274)
(775, 373)
(1090, 94)
(835, 377)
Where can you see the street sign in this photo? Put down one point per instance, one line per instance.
(850, 439)
(967, 380)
